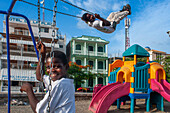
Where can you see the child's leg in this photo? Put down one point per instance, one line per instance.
(111, 16)
(117, 16)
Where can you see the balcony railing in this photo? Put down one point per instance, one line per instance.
(21, 32)
(17, 89)
(101, 54)
(101, 71)
(18, 66)
(90, 53)
(22, 58)
(26, 42)
(19, 52)
(79, 52)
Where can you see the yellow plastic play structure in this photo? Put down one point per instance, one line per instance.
(133, 80)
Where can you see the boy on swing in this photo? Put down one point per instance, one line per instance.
(62, 89)
(106, 25)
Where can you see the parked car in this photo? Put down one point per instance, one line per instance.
(85, 89)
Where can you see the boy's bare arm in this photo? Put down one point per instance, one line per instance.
(32, 99)
(105, 22)
(38, 69)
(40, 47)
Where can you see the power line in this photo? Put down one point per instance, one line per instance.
(76, 6)
(48, 9)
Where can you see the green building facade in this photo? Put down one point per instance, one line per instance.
(90, 50)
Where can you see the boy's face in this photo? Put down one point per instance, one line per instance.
(90, 17)
(59, 69)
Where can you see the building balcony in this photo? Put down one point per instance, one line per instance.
(101, 71)
(16, 89)
(102, 54)
(18, 32)
(21, 58)
(79, 52)
(19, 75)
(19, 65)
(90, 53)
(17, 52)
(21, 32)
(27, 42)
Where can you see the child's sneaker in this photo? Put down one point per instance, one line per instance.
(123, 9)
(128, 8)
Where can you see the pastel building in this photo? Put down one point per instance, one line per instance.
(22, 53)
(90, 50)
(155, 54)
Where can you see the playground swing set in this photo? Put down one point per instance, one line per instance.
(8, 13)
(132, 79)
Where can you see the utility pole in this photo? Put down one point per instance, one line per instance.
(127, 39)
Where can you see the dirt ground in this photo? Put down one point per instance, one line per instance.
(82, 107)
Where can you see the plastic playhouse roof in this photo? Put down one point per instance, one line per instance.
(136, 50)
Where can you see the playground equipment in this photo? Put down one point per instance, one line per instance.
(10, 12)
(137, 80)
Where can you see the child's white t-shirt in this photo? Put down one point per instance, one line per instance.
(62, 97)
(98, 24)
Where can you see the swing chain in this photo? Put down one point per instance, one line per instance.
(52, 53)
(39, 39)
(39, 27)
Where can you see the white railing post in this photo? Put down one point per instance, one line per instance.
(73, 45)
(96, 49)
(106, 51)
(84, 48)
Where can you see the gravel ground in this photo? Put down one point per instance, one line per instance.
(82, 107)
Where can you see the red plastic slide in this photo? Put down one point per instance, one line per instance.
(107, 96)
(162, 88)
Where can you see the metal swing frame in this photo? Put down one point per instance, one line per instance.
(8, 13)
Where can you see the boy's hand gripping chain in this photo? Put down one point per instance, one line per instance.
(52, 53)
(39, 39)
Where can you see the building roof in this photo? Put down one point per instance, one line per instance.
(136, 50)
(156, 51)
(147, 48)
(90, 38)
(28, 38)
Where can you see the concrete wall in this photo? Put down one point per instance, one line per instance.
(23, 97)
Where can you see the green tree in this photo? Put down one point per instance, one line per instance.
(79, 73)
(165, 61)
(141, 59)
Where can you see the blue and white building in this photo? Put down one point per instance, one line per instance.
(22, 52)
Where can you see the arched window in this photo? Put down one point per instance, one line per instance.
(100, 49)
(100, 80)
(90, 82)
(100, 65)
(78, 47)
(78, 62)
(90, 48)
(90, 63)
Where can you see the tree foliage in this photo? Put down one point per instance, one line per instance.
(165, 61)
(79, 73)
(142, 59)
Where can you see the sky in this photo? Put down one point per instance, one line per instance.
(150, 21)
